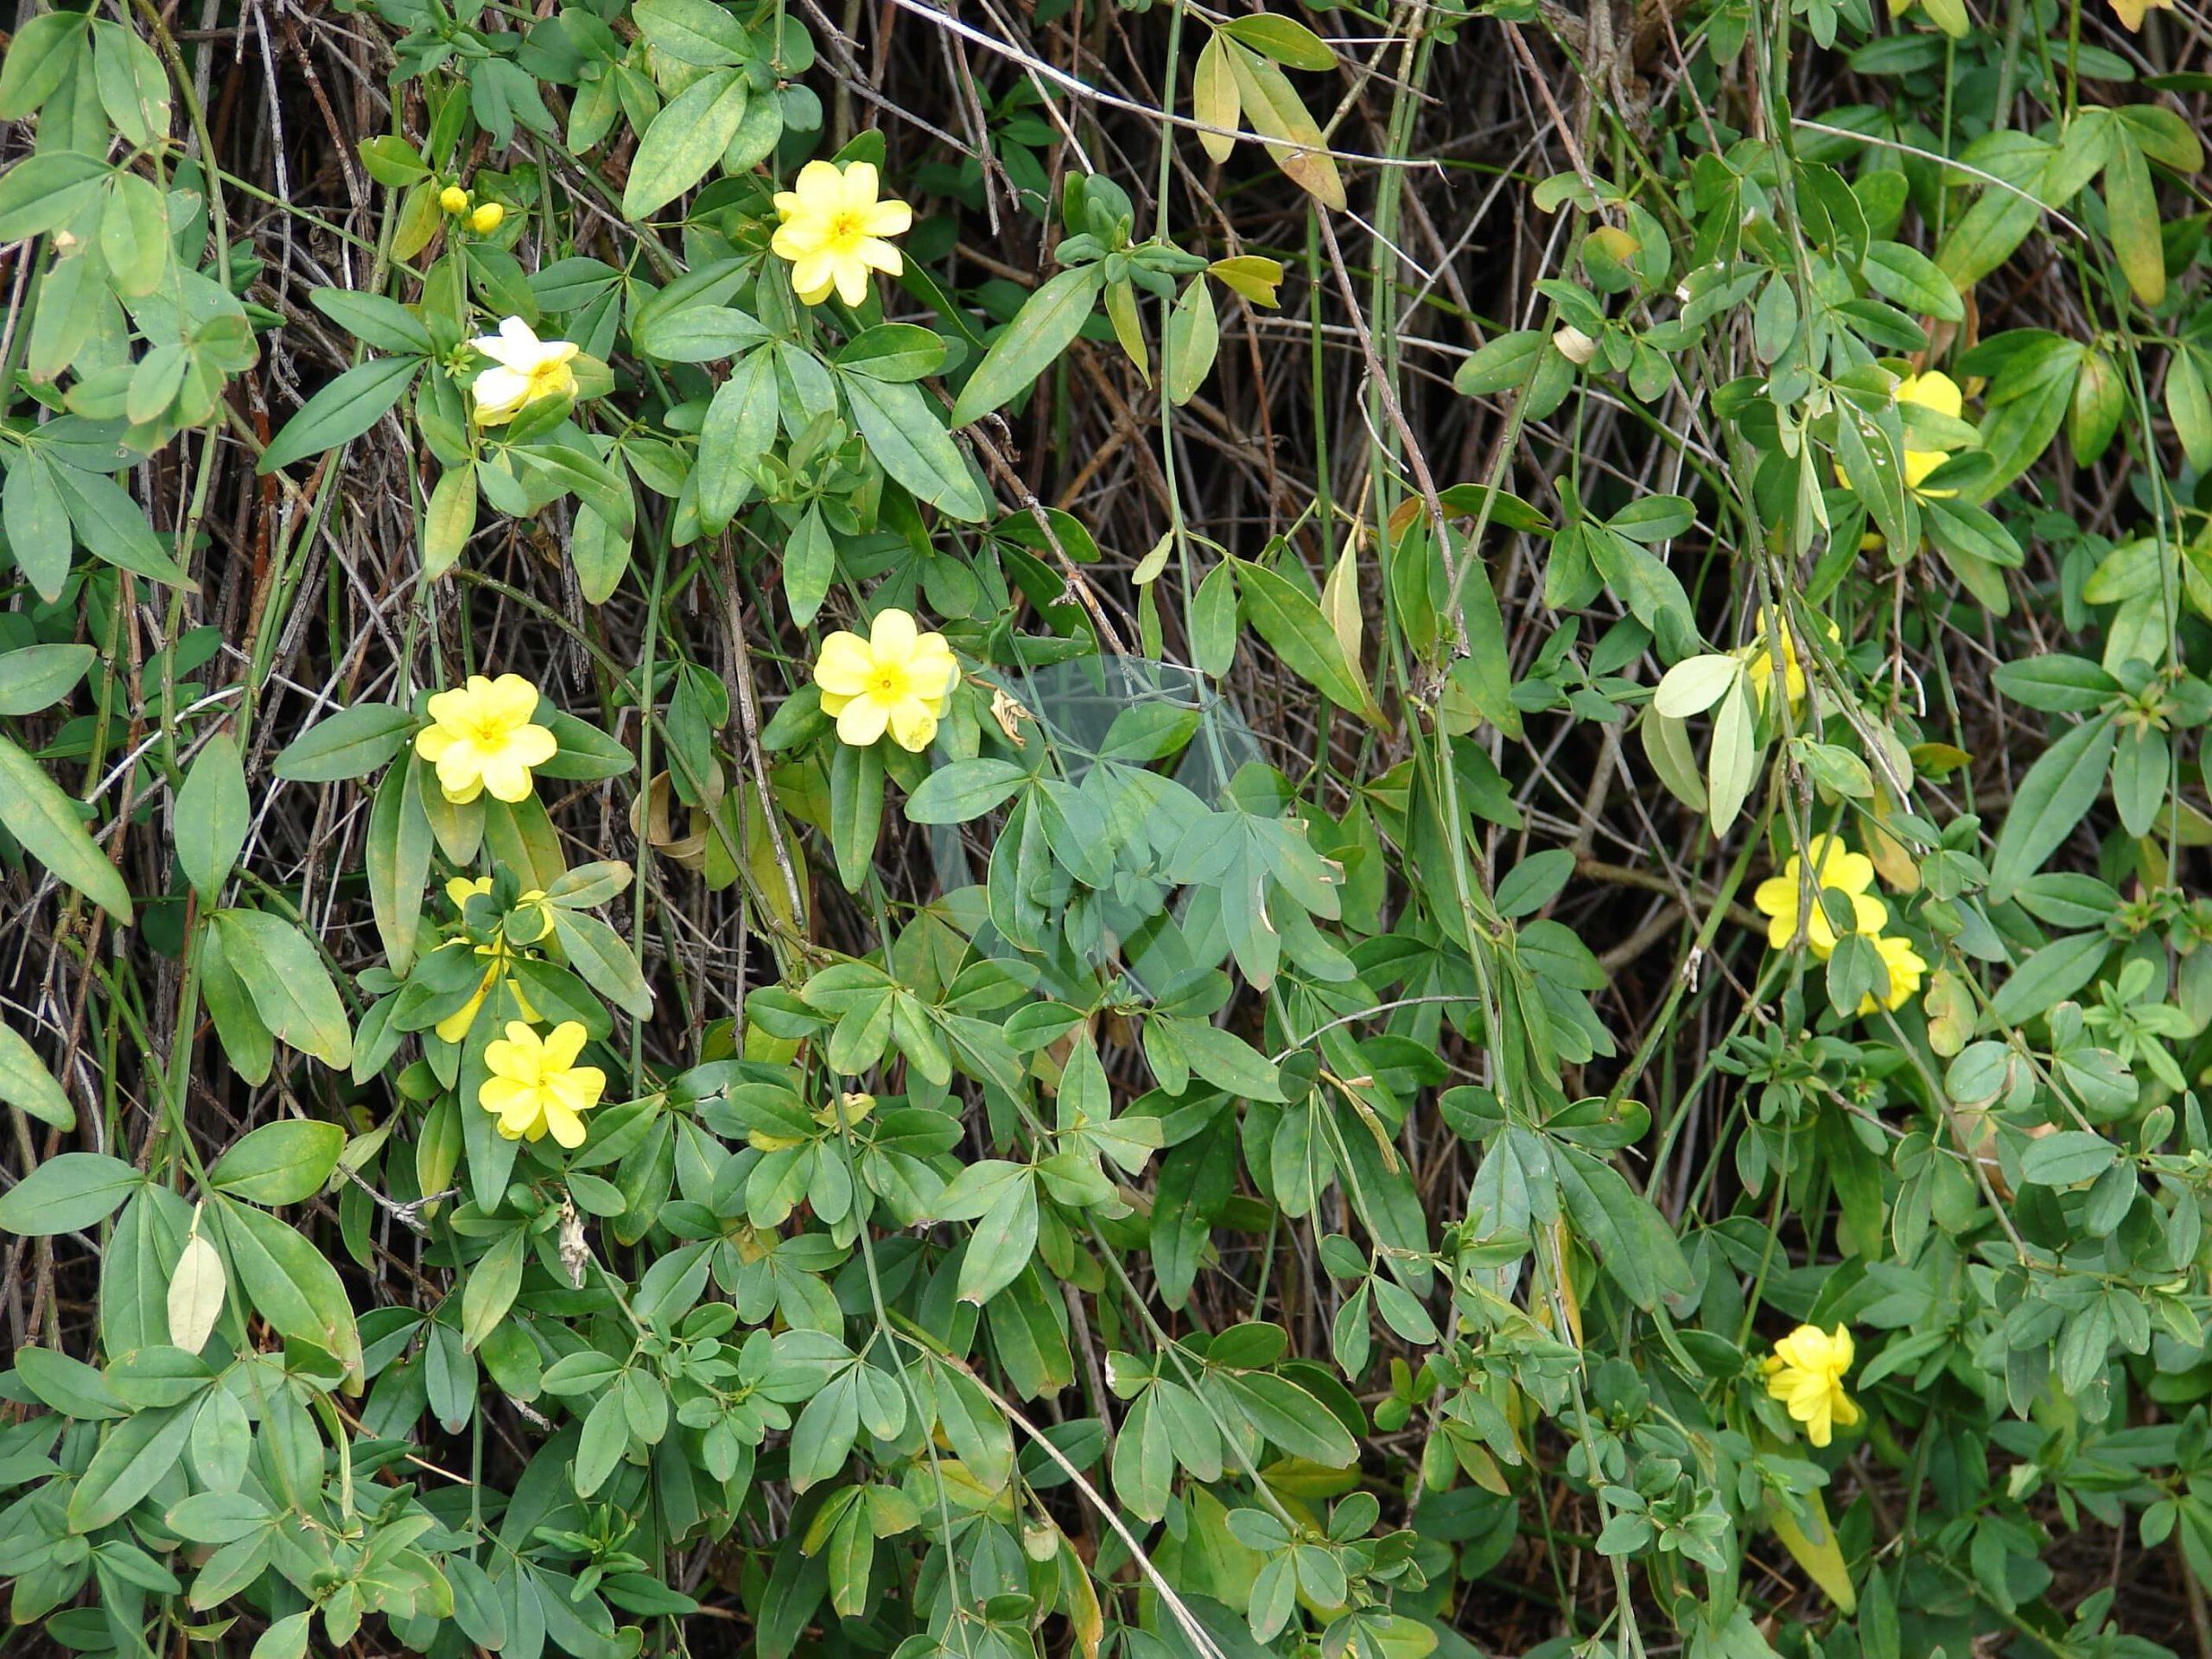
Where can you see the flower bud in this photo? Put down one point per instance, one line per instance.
(453, 200)
(1574, 346)
(486, 220)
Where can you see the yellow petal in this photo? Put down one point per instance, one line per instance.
(852, 281)
(843, 668)
(893, 636)
(913, 725)
(821, 187)
(563, 1044)
(861, 722)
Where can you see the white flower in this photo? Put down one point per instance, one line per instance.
(524, 370)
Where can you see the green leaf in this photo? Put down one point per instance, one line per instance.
(1213, 621)
(1226, 1060)
(448, 521)
(855, 810)
(113, 527)
(341, 411)
(1291, 624)
(596, 951)
(392, 161)
(212, 817)
(1045, 326)
(280, 1163)
(686, 138)
(290, 1282)
(26, 1084)
(67, 1194)
(43, 191)
(1292, 1419)
(964, 791)
(134, 89)
(375, 320)
(905, 433)
(740, 425)
(2188, 405)
(1986, 235)
(42, 55)
(1505, 364)
(2049, 976)
(1003, 1243)
(1533, 882)
(605, 1440)
(290, 988)
(34, 677)
(894, 351)
(600, 554)
(1632, 1239)
(2055, 794)
(1913, 280)
(2067, 1158)
(697, 32)
(490, 1291)
(352, 743)
(134, 236)
(131, 1462)
(45, 820)
(699, 333)
(1288, 42)
(37, 519)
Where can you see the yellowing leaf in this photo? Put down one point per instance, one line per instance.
(1811, 1543)
(1193, 337)
(1278, 115)
(1250, 275)
(195, 1294)
(1121, 310)
(2132, 211)
(1340, 603)
(1213, 99)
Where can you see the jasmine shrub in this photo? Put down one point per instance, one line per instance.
(1105, 829)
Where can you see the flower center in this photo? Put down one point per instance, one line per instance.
(548, 378)
(888, 682)
(846, 230)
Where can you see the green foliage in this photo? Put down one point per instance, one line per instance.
(857, 889)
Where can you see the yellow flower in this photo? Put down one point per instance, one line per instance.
(1573, 345)
(855, 1106)
(535, 1085)
(897, 678)
(481, 737)
(1905, 969)
(453, 200)
(461, 890)
(1757, 657)
(486, 219)
(2131, 13)
(455, 1025)
(524, 370)
(1805, 1372)
(1936, 391)
(1835, 866)
(833, 229)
